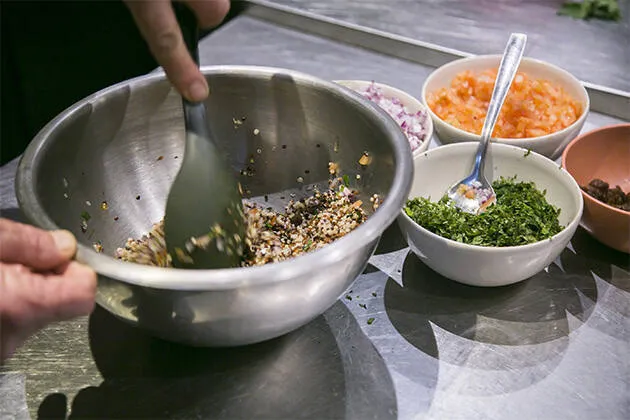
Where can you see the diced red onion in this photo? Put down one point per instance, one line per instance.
(412, 124)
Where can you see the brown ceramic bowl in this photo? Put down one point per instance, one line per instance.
(603, 153)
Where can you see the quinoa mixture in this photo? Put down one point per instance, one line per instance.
(305, 225)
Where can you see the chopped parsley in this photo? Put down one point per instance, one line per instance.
(587, 9)
(520, 216)
(370, 321)
(85, 216)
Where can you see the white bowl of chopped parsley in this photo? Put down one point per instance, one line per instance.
(538, 209)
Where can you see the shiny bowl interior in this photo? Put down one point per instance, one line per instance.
(279, 130)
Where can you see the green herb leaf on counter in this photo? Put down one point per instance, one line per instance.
(85, 216)
(587, 9)
(520, 216)
(370, 321)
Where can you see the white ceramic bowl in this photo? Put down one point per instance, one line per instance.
(412, 104)
(438, 168)
(550, 145)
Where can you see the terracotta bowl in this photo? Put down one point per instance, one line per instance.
(603, 153)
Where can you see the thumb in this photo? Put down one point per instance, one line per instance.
(35, 248)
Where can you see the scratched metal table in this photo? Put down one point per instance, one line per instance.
(594, 51)
(553, 347)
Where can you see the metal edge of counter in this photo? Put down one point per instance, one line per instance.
(604, 100)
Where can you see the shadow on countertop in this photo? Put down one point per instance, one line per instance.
(526, 313)
(540, 301)
(521, 327)
(610, 265)
(327, 369)
(391, 240)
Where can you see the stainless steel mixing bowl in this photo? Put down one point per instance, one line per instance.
(120, 147)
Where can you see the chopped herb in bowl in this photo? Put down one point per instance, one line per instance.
(520, 216)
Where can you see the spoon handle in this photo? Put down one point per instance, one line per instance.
(507, 70)
(194, 113)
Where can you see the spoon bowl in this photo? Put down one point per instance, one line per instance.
(474, 194)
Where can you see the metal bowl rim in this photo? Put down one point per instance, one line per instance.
(233, 278)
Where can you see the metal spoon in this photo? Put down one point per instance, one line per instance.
(204, 225)
(475, 194)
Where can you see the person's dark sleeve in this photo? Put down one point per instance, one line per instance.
(55, 53)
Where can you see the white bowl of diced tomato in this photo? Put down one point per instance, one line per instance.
(545, 109)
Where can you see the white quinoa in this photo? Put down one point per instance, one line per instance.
(304, 226)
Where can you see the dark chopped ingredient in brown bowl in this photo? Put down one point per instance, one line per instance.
(615, 197)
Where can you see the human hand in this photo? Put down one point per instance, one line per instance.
(159, 27)
(39, 282)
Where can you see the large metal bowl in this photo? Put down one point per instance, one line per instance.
(120, 146)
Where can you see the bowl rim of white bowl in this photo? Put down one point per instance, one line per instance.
(506, 249)
(225, 278)
(463, 133)
(426, 141)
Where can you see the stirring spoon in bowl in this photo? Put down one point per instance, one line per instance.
(204, 224)
(474, 194)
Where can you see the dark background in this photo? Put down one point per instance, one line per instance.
(55, 53)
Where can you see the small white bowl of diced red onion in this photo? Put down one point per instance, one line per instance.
(410, 114)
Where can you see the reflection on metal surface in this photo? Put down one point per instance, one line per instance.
(397, 28)
(327, 369)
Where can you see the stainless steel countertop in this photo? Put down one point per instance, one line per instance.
(553, 347)
(595, 51)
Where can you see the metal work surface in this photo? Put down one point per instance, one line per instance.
(595, 51)
(604, 99)
(553, 347)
